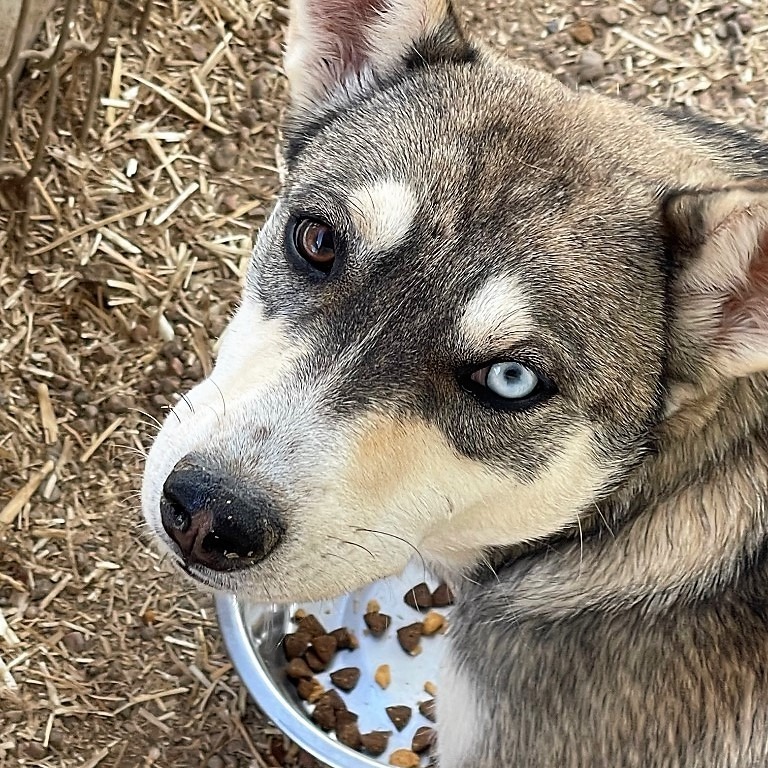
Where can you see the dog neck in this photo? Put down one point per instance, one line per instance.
(688, 523)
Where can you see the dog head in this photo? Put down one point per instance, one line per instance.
(464, 319)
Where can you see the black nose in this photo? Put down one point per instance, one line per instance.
(217, 520)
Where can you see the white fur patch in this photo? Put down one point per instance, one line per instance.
(499, 313)
(383, 213)
(460, 716)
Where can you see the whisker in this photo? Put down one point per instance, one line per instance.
(132, 449)
(223, 401)
(188, 402)
(154, 419)
(605, 522)
(171, 409)
(399, 538)
(352, 544)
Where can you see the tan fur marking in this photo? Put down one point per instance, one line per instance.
(415, 481)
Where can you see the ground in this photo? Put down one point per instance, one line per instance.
(118, 269)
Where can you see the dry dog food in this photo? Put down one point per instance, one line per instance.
(400, 715)
(423, 739)
(377, 623)
(383, 675)
(404, 758)
(409, 637)
(427, 708)
(346, 678)
(419, 597)
(375, 743)
(312, 649)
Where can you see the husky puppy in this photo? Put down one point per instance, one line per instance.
(524, 331)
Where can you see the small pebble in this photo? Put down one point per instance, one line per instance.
(610, 15)
(35, 750)
(660, 8)
(74, 641)
(215, 762)
(582, 32)
(746, 22)
(224, 156)
(591, 66)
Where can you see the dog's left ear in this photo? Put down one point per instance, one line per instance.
(721, 289)
(333, 45)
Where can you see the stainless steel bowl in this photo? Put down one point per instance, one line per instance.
(253, 633)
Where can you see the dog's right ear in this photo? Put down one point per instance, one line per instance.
(334, 46)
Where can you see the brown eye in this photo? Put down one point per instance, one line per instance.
(315, 244)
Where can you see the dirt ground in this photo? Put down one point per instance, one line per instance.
(117, 273)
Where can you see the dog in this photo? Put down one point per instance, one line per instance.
(524, 331)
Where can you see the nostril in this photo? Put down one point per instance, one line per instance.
(179, 517)
(217, 520)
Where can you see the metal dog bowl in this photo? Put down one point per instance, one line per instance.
(253, 633)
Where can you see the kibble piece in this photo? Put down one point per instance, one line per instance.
(433, 622)
(325, 647)
(377, 623)
(310, 690)
(399, 714)
(324, 715)
(372, 606)
(375, 742)
(315, 663)
(427, 708)
(430, 688)
(423, 739)
(442, 597)
(345, 640)
(344, 716)
(404, 758)
(334, 700)
(383, 675)
(409, 637)
(349, 734)
(346, 678)
(295, 644)
(297, 668)
(419, 597)
(309, 625)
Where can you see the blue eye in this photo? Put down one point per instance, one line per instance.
(512, 381)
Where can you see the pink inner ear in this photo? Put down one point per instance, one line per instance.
(346, 22)
(747, 310)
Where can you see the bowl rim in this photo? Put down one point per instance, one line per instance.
(269, 698)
